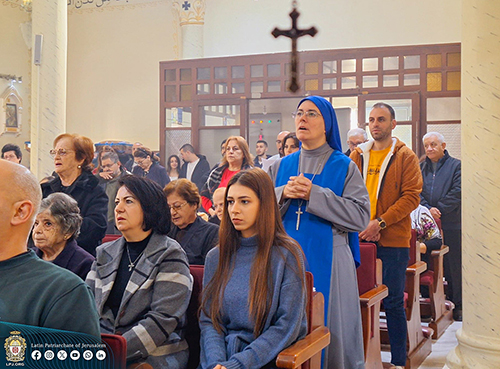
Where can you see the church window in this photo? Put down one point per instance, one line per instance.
(220, 88)
(330, 67)
(273, 70)
(348, 82)
(329, 83)
(391, 80)
(370, 81)
(202, 73)
(274, 86)
(349, 66)
(256, 71)
(186, 74)
(370, 65)
(434, 82)
(412, 62)
(311, 85)
(391, 63)
(453, 81)
(220, 115)
(170, 93)
(453, 59)
(411, 79)
(170, 75)
(186, 93)
(238, 88)
(238, 71)
(311, 68)
(256, 87)
(220, 72)
(203, 88)
(434, 61)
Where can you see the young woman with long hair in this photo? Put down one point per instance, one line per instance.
(254, 281)
(173, 167)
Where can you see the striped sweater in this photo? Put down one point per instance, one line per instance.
(151, 316)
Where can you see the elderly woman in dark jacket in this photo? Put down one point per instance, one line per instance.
(54, 233)
(73, 156)
(196, 236)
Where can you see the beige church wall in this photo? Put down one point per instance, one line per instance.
(113, 68)
(15, 60)
(341, 24)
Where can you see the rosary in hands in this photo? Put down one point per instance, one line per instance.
(298, 187)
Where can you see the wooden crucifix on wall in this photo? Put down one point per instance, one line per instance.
(294, 33)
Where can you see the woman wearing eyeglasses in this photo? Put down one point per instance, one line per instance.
(148, 167)
(73, 156)
(325, 203)
(196, 236)
(236, 157)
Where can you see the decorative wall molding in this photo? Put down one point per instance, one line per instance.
(91, 6)
(176, 35)
(190, 11)
(12, 3)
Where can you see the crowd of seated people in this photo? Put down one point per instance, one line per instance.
(141, 283)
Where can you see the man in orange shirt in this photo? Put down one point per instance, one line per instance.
(392, 176)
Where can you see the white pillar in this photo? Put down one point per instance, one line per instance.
(48, 84)
(191, 20)
(479, 338)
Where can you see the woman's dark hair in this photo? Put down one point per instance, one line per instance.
(84, 148)
(65, 211)
(185, 189)
(293, 136)
(153, 202)
(270, 233)
(12, 147)
(169, 168)
(144, 152)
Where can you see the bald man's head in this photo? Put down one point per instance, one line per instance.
(20, 197)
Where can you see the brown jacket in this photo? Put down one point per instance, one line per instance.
(400, 184)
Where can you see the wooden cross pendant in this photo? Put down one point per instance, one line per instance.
(298, 212)
(294, 33)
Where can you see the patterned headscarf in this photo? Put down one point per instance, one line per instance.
(331, 125)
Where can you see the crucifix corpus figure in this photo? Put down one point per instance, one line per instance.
(294, 33)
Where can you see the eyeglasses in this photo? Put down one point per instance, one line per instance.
(60, 152)
(176, 207)
(311, 114)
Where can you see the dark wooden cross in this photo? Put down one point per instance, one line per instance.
(294, 33)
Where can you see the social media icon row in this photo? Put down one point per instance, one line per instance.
(63, 355)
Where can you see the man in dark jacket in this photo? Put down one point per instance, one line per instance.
(112, 172)
(441, 194)
(195, 167)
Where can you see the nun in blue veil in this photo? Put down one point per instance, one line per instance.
(324, 203)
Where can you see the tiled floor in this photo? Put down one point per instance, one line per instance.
(440, 349)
